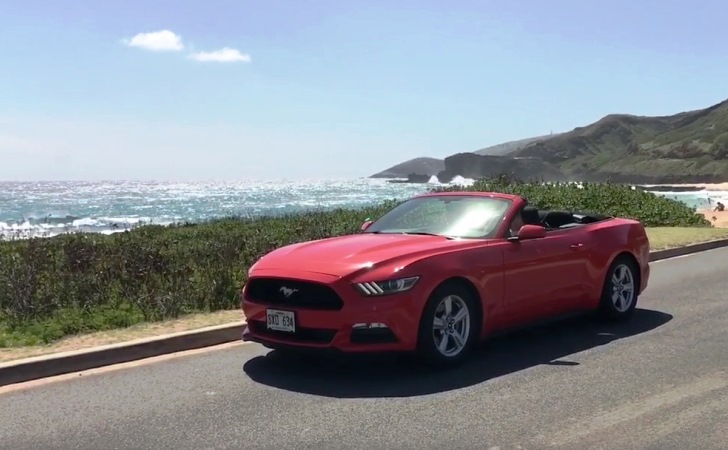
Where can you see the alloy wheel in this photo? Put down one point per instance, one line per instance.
(451, 325)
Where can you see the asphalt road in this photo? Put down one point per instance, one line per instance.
(660, 382)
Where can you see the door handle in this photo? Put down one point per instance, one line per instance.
(576, 246)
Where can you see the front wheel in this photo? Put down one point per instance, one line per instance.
(620, 291)
(449, 327)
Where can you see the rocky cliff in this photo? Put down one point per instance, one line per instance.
(471, 165)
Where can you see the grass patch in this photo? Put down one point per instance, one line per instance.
(139, 331)
(51, 288)
(662, 238)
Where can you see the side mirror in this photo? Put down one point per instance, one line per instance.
(366, 225)
(530, 232)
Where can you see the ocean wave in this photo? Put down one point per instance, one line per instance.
(45, 209)
(702, 199)
(47, 228)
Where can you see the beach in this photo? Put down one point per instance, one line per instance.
(701, 196)
(706, 186)
(690, 186)
(719, 219)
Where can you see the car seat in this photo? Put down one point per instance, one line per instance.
(530, 216)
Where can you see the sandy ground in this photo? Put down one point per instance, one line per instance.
(718, 219)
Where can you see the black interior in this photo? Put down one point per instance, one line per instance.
(530, 216)
(558, 220)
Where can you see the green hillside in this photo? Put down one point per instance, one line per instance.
(686, 147)
(508, 147)
(689, 147)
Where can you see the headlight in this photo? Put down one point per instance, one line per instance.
(386, 287)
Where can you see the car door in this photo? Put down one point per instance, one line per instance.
(544, 277)
(576, 245)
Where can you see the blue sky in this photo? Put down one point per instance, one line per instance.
(331, 88)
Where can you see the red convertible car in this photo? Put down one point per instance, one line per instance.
(441, 271)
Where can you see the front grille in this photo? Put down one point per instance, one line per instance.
(301, 335)
(302, 294)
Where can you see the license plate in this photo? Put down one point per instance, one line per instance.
(281, 320)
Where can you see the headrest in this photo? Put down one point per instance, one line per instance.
(529, 214)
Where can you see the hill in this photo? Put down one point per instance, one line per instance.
(688, 147)
(419, 166)
(432, 166)
(507, 147)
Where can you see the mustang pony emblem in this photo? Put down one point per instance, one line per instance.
(287, 291)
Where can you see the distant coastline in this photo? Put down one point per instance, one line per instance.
(682, 150)
(687, 187)
(671, 187)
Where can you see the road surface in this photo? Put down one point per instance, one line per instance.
(660, 382)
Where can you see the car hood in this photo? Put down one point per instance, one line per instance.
(341, 256)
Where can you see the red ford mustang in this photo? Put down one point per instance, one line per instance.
(441, 271)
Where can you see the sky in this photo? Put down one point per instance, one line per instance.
(240, 90)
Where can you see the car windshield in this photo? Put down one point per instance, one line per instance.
(447, 215)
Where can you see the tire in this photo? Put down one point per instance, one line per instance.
(619, 303)
(461, 335)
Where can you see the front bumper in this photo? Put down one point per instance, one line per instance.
(363, 324)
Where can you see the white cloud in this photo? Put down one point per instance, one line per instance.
(166, 40)
(225, 55)
(158, 41)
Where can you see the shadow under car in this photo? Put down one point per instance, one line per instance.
(362, 376)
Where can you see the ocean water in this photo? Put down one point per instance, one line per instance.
(50, 208)
(703, 199)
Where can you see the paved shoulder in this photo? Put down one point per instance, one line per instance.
(657, 382)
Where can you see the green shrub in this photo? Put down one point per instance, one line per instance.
(605, 198)
(69, 284)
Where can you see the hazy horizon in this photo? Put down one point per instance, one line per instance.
(238, 90)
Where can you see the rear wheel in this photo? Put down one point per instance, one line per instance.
(449, 326)
(620, 291)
